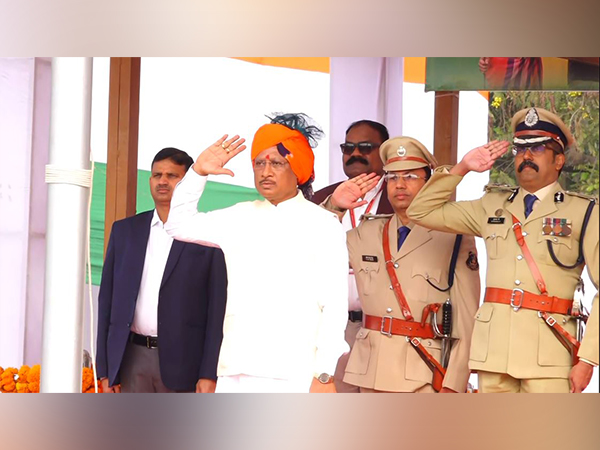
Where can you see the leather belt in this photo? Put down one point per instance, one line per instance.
(355, 316)
(144, 341)
(518, 298)
(391, 326)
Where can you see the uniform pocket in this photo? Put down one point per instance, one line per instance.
(367, 273)
(433, 274)
(358, 363)
(495, 240)
(550, 351)
(562, 246)
(481, 333)
(416, 369)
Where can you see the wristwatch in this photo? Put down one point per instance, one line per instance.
(325, 378)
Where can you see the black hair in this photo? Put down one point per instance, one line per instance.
(379, 127)
(179, 157)
(556, 150)
(427, 170)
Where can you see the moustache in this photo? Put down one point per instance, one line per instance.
(354, 159)
(530, 164)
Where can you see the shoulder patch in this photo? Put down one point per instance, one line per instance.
(375, 216)
(590, 198)
(472, 262)
(495, 187)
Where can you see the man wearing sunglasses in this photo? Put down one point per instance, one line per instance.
(538, 238)
(405, 273)
(360, 155)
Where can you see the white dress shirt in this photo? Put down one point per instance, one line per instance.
(287, 271)
(374, 195)
(145, 320)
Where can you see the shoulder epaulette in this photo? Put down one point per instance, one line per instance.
(496, 187)
(376, 216)
(590, 198)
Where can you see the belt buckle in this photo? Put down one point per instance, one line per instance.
(148, 341)
(514, 305)
(382, 329)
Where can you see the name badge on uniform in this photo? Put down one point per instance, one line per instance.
(496, 220)
(551, 226)
(369, 258)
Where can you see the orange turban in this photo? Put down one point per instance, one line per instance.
(294, 148)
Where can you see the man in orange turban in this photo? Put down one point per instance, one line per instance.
(286, 263)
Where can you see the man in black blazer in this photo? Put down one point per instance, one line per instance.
(162, 302)
(360, 154)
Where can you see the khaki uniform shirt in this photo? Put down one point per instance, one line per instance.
(390, 363)
(519, 343)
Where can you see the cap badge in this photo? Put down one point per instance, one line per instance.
(401, 151)
(531, 118)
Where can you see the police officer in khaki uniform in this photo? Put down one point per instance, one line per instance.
(396, 350)
(523, 339)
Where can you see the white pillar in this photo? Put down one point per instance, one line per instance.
(362, 88)
(67, 226)
(24, 129)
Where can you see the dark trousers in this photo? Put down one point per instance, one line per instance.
(140, 371)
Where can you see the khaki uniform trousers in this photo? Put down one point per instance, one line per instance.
(495, 383)
(427, 389)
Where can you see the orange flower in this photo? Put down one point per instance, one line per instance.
(33, 379)
(22, 386)
(87, 381)
(7, 380)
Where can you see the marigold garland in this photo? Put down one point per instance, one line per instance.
(21, 382)
(7, 380)
(27, 380)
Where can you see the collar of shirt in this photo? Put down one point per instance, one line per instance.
(286, 205)
(156, 220)
(541, 193)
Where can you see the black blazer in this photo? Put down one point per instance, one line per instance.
(384, 206)
(191, 305)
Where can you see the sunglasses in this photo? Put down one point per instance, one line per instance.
(534, 149)
(365, 148)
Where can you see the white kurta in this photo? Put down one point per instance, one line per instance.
(287, 268)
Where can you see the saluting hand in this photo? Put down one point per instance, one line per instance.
(481, 158)
(348, 194)
(212, 160)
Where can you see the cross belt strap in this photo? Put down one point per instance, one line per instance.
(535, 271)
(563, 336)
(389, 265)
(391, 326)
(438, 371)
(518, 298)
